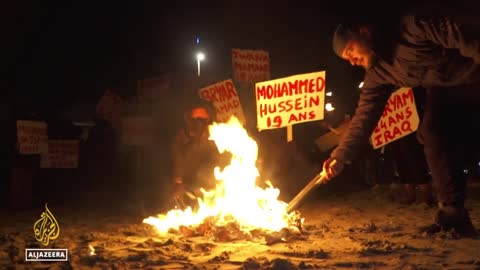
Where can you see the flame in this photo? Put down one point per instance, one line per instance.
(92, 250)
(236, 196)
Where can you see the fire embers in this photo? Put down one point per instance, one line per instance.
(232, 231)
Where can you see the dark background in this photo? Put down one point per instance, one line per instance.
(58, 54)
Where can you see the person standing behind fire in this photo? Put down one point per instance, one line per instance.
(194, 155)
(410, 163)
(412, 168)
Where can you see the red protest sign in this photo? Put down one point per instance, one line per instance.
(250, 65)
(60, 154)
(30, 135)
(399, 118)
(291, 100)
(224, 98)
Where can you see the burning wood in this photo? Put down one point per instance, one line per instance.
(232, 232)
(92, 250)
(237, 208)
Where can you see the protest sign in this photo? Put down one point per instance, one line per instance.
(154, 88)
(60, 154)
(291, 100)
(250, 65)
(224, 98)
(109, 107)
(399, 118)
(30, 134)
(138, 131)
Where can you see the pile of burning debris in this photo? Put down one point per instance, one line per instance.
(237, 209)
(233, 231)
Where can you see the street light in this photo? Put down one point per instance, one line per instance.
(200, 57)
(329, 94)
(329, 107)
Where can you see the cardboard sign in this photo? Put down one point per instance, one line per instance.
(331, 138)
(138, 131)
(30, 135)
(60, 154)
(291, 100)
(250, 65)
(154, 88)
(399, 118)
(224, 98)
(110, 106)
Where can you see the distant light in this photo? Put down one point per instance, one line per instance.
(329, 94)
(465, 171)
(360, 85)
(197, 40)
(329, 107)
(200, 58)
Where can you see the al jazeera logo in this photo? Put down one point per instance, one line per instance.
(46, 229)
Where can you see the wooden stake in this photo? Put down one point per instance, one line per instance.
(289, 133)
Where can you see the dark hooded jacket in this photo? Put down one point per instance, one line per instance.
(430, 52)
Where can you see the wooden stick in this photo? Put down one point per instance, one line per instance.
(289, 133)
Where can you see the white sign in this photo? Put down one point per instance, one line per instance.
(399, 118)
(154, 88)
(60, 154)
(30, 135)
(224, 98)
(250, 65)
(291, 100)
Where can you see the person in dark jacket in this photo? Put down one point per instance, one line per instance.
(438, 53)
(412, 169)
(194, 155)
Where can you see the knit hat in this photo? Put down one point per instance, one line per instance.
(342, 35)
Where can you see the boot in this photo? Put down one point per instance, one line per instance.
(450, 217)
(424, 194)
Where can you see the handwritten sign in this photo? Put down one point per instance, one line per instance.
(399, 118)
(224, 98)
(30, 135)
(138, 131)
(154, 88)
(60, 154)
(110, 106)
(250, 65)
(291, 100)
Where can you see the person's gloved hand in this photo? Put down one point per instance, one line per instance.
(332, 167)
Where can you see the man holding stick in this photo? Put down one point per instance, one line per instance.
(439, 53)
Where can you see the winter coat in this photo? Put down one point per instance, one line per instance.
(432, 53)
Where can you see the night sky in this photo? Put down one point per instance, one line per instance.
(55, 54)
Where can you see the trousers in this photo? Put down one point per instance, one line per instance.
(448, 134)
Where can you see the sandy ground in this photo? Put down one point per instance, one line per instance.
(360, 230)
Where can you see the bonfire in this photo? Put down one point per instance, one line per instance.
(237, 206)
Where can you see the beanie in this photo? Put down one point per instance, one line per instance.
(341, 36)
